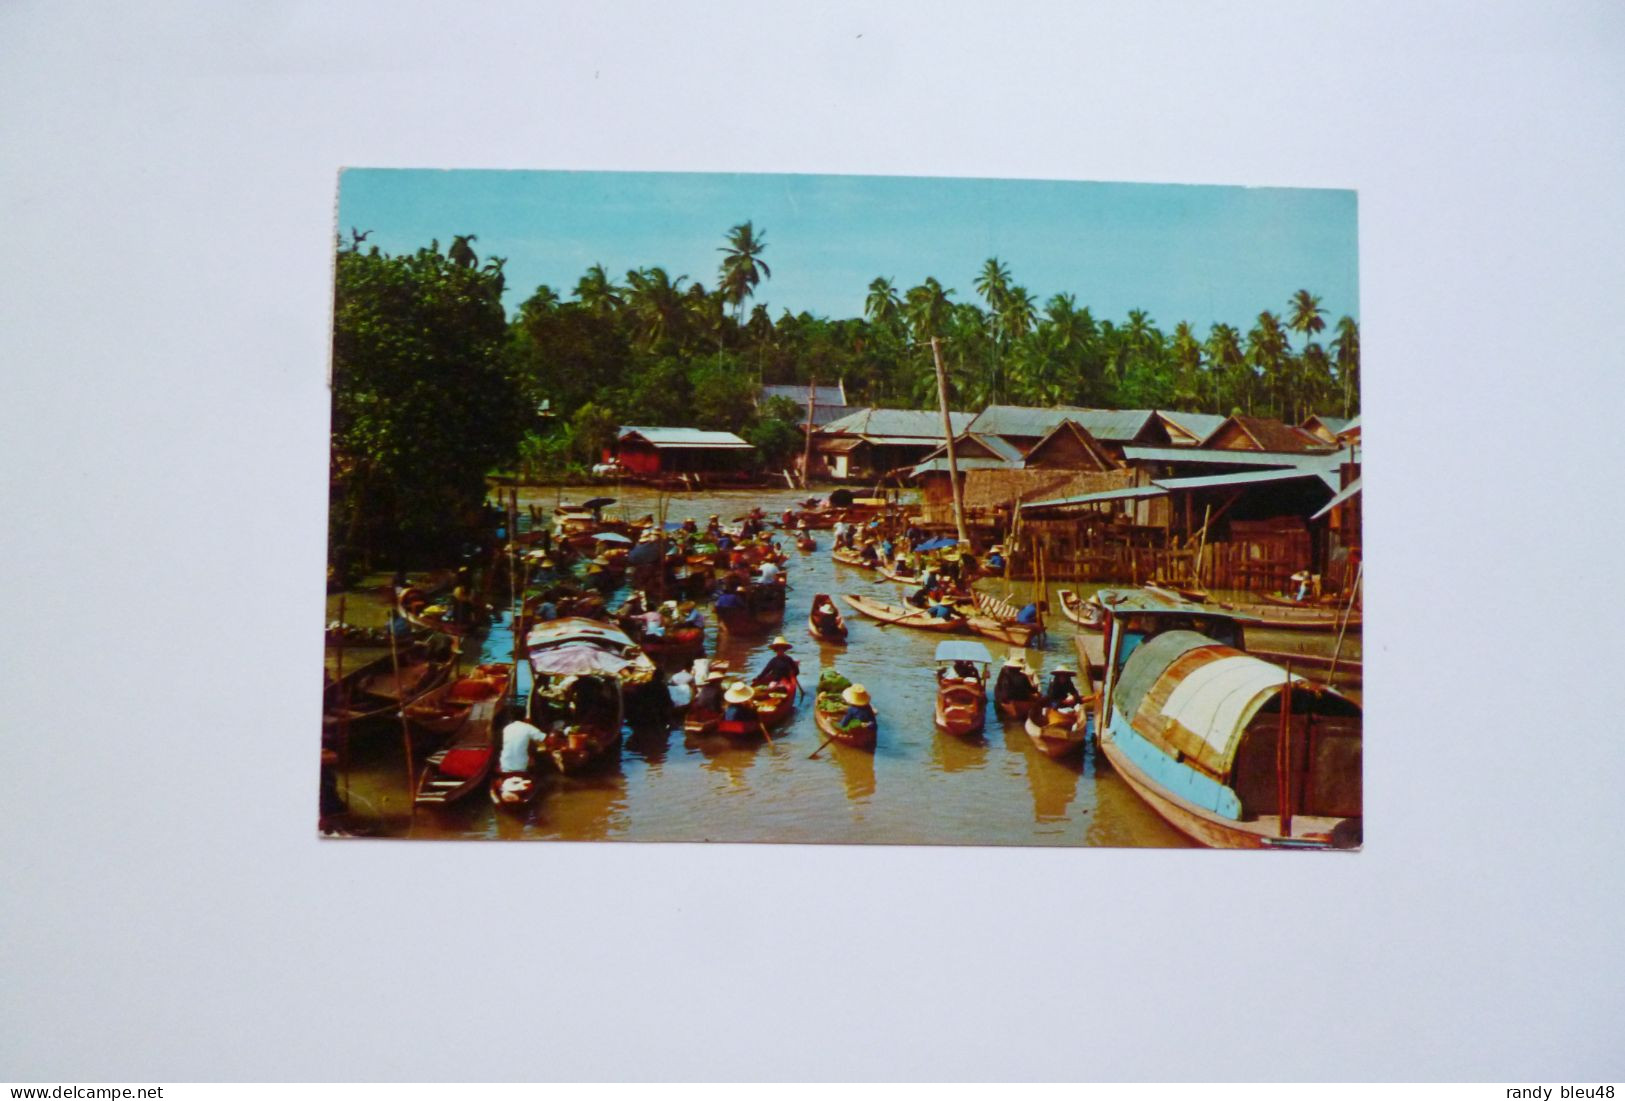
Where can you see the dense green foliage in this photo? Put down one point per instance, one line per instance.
(424, 400)
(434, 386)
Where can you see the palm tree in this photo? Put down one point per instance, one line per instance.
(656, 303)
(1267, 348)
(595, 291)
(1229, 367)
(742, 266)
(993, 283)
(1187, 355)
(926, 309)
(883, 306)
(1306, 318)
(1346, 354)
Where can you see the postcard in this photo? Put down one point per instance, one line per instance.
(827, 509)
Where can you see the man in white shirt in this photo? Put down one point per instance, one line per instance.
(517, 738)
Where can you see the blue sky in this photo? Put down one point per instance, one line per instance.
(1181, 252)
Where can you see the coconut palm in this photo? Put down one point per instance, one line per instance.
(595, 291)
(1187, 359)
(883, 306)
(926, 309)
(993, 283)
(1228, 365)
(1267, 350)
(1346, 354)
(656, 303)
(742, 266)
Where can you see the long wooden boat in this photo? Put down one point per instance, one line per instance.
(445, 709)
(1232, 751)
(414, 606)
(862, 737)
(581, 745)
(1286, 601)
(700, 724)
(576, 660)
(917, 618)
(1016, 634)
(851, 558)
(775, 703)
(379, 690)
(1278, 617)
(961, 703)
(677, 644)
(1055, 734)
(463, 766)
(1015, 709)
(764, 610)
(1085, 613)
(834, 635)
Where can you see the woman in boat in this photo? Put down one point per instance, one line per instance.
(740, 709)
(1031, 613)
(941, 609)
(995, 559)
(708, 700)
(1015, 683)
(690, 526)
(920, 597)
(1063, 691)
(825, 618)
(729, 600)
(858, 711)
(781, 668)
(689, 615)
(870, 558)
(770, 573)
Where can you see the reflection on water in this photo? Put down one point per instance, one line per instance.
(920, 786)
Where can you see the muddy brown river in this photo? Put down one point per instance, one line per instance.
(919, 787)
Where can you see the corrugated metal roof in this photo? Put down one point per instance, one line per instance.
(1020, 420)
(940, 465)
(1200, 425)
(912, 424)
(1344, 494)
(1334, 425)
(682, 437)
(1031, 422)
(1204, 456)
(1129, 494)
(1250, 477)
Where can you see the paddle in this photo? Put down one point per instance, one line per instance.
(765, 734)
(820, 749)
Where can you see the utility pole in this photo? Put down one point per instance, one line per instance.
(806, 453)
(948, 437)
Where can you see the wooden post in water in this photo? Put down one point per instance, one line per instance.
(806, 450)
(948, 439)
(406, 733)
(1337, 650)
(344, 711)
(1283, 757)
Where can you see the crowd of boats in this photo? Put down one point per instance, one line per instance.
(1230, 747)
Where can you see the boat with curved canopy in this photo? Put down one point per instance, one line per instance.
(962, 666)
(1232, 750)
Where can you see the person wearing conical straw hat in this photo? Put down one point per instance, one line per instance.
(858, 710)
(1015, 682)
(738, 699)
(1063, 691)
(781, 668)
